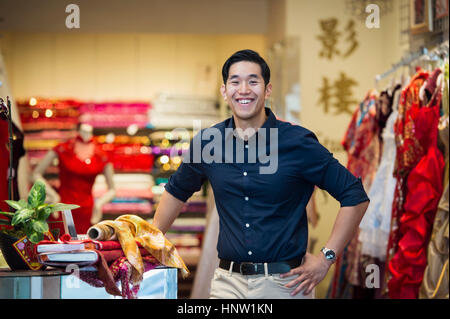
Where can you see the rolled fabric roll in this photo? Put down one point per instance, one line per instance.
(101, 231)
(132, 231)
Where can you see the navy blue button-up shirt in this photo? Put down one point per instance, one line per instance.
(262, 202)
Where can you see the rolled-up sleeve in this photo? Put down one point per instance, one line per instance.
(187, 180)
(323, 170)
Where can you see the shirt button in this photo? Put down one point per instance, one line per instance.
(246, 198)
(245, 173)
(246, 145)
(250, 252)
(247, 225)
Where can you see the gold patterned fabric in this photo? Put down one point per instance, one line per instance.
(131, 230)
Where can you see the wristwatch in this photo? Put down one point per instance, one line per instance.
(329, 254)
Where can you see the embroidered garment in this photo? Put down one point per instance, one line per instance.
(375, 225)
(362, 144)
(436, 277)
(408, 152)
(420, 167)
(361, 141)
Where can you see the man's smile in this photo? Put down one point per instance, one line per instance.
(244, 101)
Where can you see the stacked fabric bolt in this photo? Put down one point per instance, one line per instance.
(130, 158)
(47, 123)
(79, 252)
(125, 248)
(198, 206)
(39, 143)
(132, 205)
(101, 115)
(102, 263)
(133, 232)
(182, 111)
(40, 114)
(133, 194)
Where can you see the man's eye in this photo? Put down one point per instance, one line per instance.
(253, 82)
(234, 82)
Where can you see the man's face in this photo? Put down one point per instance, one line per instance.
(245, 90)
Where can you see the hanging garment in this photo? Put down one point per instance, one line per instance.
(375, 225)
(363, 148)
(18, 152)
(361, 142)
(418, 136)
(435, 282)
(77, 178)
(406, 158)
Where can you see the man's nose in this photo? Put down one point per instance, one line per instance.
(244, 88)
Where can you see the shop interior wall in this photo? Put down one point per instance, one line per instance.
(377, 50)
(119, 66)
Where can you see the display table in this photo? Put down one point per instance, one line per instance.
(158, 283)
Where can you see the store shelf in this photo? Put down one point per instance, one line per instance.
(137, 182)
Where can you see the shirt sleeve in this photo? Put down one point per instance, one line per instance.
(322, 169)
(188, 178)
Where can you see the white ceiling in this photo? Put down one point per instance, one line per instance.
(161, 16)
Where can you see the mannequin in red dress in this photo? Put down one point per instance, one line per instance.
(80, 160)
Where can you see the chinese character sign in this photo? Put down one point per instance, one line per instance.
(351, 38)
(337, 95)
(330, 37)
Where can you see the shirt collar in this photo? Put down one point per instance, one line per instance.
(269, 123)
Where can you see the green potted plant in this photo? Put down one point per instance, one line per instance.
(26, 227)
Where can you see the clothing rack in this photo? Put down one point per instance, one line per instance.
(434, 54)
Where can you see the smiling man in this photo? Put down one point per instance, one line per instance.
(263, 230)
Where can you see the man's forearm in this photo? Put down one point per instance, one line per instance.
(345, 226)
(168, 209)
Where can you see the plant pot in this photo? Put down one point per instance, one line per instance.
(13, 258)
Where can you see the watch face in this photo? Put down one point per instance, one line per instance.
(330, 254)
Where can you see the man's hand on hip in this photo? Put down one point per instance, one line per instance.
(310, 274)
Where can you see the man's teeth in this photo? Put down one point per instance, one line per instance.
(244, 101)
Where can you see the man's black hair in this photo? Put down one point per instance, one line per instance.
(250, 56)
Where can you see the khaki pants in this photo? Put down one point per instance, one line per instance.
(232, 285)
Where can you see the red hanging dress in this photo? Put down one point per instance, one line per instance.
(77, 177)
(419, 173)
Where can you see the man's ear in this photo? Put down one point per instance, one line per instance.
(268, 90)
(223, 92)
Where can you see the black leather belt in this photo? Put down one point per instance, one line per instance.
(248, 268)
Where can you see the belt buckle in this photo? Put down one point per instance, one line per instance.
(247, 267)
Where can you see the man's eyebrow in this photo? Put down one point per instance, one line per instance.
(237, 76)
